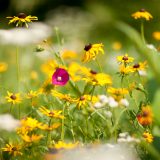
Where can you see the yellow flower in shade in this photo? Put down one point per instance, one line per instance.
(62, 96)
(47, 87)
(91, 51)
(3, 67)
(47, 127)
(13, 98)
(142, 14)
(21, 19)
(156, 35)
(34, 75)
(63, 145)
(98, 78)
(13, 149)
(146, 116)
(116, 45)
(85, 100)
(51, 113)
(32, 138)
(32, 94)
(124, 70)
(139, 66)
(125, 59)
(118, 93)
(148, 137)
(68, 54)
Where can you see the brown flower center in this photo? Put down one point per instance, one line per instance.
(136, 66)
(125, 58)
(51, 113)
(88, 47)
(142, 10)
(14, 149)
(93, 72)
(145, 114)
(82, 98)
(13, 97)
(22, 15)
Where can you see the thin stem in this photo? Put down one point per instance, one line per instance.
(19, 111)
(100, 68)
(18, 67)
(62, 131)
(142, 32)
(49, 132)
(10, 111)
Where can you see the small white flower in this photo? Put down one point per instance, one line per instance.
(108, 114)
(152, 47)
(103, 99)
(8, 123)
(98, 105)
(112, 103)
(124, 102)
(123, 135)
(142, 73)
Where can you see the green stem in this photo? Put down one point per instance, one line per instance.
(49, 132)
(62, 131)
(19, 111)
(10, 111)
(100, 68)
(142, 31)
(18, 67)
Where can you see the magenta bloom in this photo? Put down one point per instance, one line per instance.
(60, 77)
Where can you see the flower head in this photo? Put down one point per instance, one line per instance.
(125, 59)
(3, 67)
(139, 66)
(146, 116)
(148, 137)
(60, 77)
(91, 51)
(13, 98)
(13, 149)
(47, 87)
(32, 138)
(21, 19)
(156, 35)
(143, 14)
(63, 145)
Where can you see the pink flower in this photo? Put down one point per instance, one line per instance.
(60, 77)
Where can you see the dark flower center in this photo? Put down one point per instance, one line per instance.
(125, 58)
(136, 66)
(88, 47)
(13, 97)
(93, 72)
(142, 10)
(14, 149)
(51, 113)
(145, 114)
(82, 98)
(22, 15)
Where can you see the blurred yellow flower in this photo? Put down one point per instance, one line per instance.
(116, 46)
(34, 75)
(13, 98)
(32, 138)
(142, 13)
(125, 59)
(139, 66)
(32, 94)
(124, 70)
(68, 54)
(47, 127)
(91, 51)
(63, 145)
(148, 137)
(3, 66)
(51, 113)
(13, 149)
(156, 35)
(21, 19)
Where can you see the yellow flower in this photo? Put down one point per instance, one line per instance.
(63, 145)
(47, 87)
(21, 19)
(116, 45)
(146, 116)
(125, 59)
(3, 66)
(142, 13)
(68, 54)
(51, 113)
(13, 149)
(156, 35)
(34, 75)
(46, 127)
(98, 79)
(124, 70)
(32, 94)
(148, 137)
(91, 51)
(32, 138)
(139, 66)
(118, 93)
(13, 98)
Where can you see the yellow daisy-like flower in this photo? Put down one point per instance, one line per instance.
(116, 46)
(118, 93)
(156, 35)
(142, 14)
(63, 145)
(98, 79)
(3, 67)
(125, 59)
(124, 70)
(32, 138)
(21, 19)
(148, 137)
(13, 98)
(51, 113)
(68, 54)
(91, 51)
(13, 149)
(47, 127)
(139, 66)
(32, 94)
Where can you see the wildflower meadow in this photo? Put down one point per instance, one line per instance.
(66, 96)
